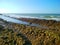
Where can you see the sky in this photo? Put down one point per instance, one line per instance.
(30, 6)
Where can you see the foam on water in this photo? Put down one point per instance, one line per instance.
(37, 16)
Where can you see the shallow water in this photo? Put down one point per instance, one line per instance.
(9, 19)
(38, 16)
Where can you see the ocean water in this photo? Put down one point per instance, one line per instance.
(38, 16)
(9, 19)
(13, 20)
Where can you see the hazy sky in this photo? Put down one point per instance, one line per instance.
(29, 6)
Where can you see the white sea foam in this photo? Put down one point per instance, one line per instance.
(50, 17)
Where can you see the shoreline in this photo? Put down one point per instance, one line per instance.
(54, 17)
(49, 23)
(38, 21)
(43, 22)
(16, 33)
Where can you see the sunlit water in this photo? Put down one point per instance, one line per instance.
(13, 20)
(8, 18)
(38, 16)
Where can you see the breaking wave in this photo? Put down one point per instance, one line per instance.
(47, 17)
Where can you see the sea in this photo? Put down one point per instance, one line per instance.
(14, 18)
(37, 16)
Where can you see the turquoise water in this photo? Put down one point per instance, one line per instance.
(38, 16)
